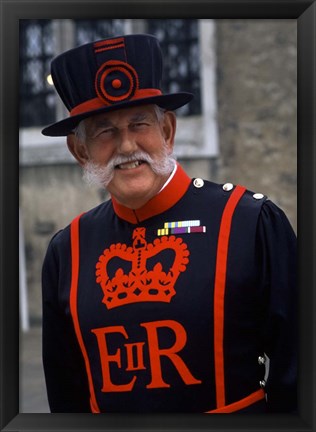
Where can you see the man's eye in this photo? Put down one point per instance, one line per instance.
(140, 125)
(106, 132)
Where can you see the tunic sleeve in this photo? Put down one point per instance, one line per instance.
(66, 381)
(280, 323)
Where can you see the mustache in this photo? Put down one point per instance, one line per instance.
(101, 175)
(121, 159)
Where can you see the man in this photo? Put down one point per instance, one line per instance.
(172, 295)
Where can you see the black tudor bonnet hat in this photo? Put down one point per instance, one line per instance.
(110, 74)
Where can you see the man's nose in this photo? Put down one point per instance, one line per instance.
(127, 142)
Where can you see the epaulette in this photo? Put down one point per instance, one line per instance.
(256, 196)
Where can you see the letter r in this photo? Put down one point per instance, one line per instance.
(155, 353)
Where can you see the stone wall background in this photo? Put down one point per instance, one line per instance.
(257, 108)
(256, 91)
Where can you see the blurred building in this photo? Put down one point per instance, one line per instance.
(241, 127)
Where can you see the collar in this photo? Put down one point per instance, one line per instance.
(171, 193)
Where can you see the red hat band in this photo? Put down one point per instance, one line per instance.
(96, 103)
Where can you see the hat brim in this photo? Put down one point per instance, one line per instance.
(168, 101)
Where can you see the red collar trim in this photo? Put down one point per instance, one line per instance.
(165, 199)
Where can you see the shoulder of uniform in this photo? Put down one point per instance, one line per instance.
(56, 237)
(61, 235)
(228, 188)
(94, 215)
(251, 196)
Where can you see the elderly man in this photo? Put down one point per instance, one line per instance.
(173, 294)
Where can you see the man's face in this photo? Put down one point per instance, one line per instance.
(134, 147)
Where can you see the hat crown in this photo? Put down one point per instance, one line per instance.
(111, 69)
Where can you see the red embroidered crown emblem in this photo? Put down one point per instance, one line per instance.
(141, 284)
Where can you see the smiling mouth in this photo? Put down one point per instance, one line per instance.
(130, 165)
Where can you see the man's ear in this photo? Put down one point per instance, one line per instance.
(78, 149)
(169, 127)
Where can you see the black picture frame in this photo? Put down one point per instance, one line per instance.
(11, 12)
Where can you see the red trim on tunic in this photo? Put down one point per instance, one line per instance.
(160, 203)
(219, 292)
(239, 405)
(75, 254)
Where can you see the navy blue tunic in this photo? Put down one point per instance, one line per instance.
(168, 308)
